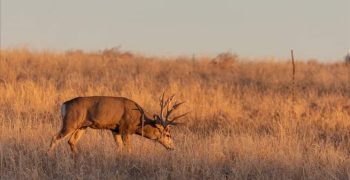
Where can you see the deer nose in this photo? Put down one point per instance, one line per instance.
(170, 146)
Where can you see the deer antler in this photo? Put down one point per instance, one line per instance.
(168, 113)
(166, 104)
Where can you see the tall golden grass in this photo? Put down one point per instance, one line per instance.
(243, 122)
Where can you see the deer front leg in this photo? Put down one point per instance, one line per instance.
(126, 140)
(118, 139)
(61, 135)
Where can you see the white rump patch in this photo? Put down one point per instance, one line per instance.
(63, 110)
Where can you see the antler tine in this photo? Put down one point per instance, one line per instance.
(162, 97)
(175, 118)
(175, 106)
(164, 103)
(168, 101)
(178, 104)
(161, 105)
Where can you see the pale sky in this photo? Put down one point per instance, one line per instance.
(313, 28)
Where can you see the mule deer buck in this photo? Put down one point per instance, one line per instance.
(122, 116)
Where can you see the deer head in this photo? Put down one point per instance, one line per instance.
(158, 127)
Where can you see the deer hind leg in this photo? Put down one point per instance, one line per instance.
(59, 136)
(73, 140)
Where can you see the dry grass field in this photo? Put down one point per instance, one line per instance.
(243, 123)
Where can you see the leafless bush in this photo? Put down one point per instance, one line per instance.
(347, 59)
(225, 60)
